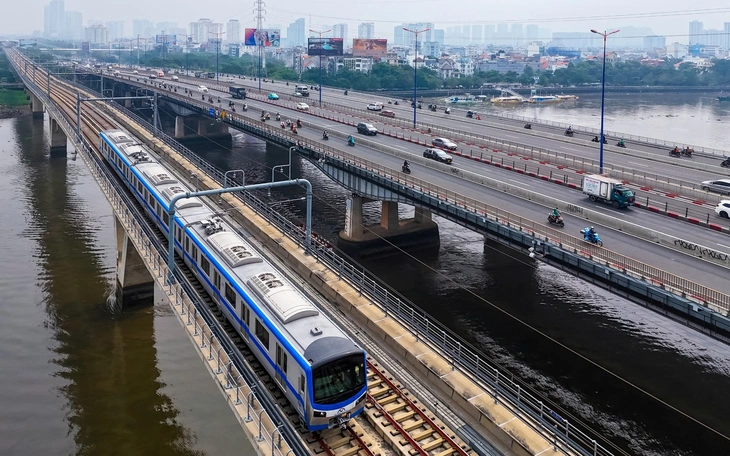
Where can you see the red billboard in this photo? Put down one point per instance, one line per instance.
(362, 47)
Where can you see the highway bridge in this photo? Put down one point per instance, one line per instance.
(667, 244)
(489, 411)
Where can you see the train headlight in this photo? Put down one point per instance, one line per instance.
(320, 414)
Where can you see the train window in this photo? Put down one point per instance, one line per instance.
(195, 254)
(231, 295)
(262, 334)
(139, 186)
(281, 361)
(216, 279)
(187, 246)
(247, 315)
(205, 265)
(166, 219)
(301, 385)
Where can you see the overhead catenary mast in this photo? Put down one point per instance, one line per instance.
(260, 10)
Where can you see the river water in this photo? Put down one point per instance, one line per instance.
(652, 385)
(77, 378)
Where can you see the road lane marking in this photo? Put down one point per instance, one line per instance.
(615, 212)
(519, 182)
(723, 245)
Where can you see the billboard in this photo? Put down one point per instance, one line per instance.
(325, 46)
(369, 48)
(263, 37)
(166, 39)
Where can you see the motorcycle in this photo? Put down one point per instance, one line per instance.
(528, 126)
(395, 102)
(675, 153)
(278, 117)
(299, 123)
(595, 139)
(447, 111)
(621, 144)
(345, 92)
(556, 220)
(569, 133)
(687, 152)
(593, 239)
(725, 163)
(406, 169)
(350, 141)
(325, 136)
(470, 114)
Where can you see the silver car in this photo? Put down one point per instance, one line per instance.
(444, 143)
(718, 186)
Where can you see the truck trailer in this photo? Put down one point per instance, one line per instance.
(605, 189)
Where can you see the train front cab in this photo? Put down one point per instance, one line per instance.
(338, 382)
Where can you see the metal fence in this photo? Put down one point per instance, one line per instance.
(240, 390)
(507, 389)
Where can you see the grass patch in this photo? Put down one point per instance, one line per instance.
(12, 98)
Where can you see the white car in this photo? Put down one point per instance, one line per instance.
(202, 88)
(135, 72)
(375, 106)
(444, 143)
(231, 80)
(723, 208)
(303, 106)
(174, 78)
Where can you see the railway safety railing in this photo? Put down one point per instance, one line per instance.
(508, 389)
(241, 391)
(604, 256)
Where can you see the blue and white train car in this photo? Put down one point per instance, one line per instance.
(320, 370)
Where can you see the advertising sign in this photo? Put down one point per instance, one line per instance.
(166, 39)
(369, 48)
(325, 46)
(263, 37)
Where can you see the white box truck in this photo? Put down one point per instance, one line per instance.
(603, 188)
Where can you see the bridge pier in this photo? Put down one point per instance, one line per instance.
(196, 129)
(36, 106)
(390, 235)
(58, 140)
(135, 285)
(128, 103)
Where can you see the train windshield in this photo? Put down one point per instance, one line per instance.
(339, 380)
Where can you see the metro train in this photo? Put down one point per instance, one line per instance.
(321, 371)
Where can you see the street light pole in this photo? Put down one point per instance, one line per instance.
(603, 96)
(320, 62)
(415, 69)
(217, 49)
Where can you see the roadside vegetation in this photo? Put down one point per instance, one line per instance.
(9, 98)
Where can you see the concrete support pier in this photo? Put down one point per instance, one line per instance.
(390, 235)
(58, 140)
(36, 106)
(135, 285)
(198, 129)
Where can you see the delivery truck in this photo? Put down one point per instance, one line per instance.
(605, 189)
(237, 92)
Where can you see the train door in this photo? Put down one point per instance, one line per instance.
(281, 361)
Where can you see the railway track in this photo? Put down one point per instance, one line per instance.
(391, 417)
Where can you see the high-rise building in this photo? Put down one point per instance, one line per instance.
(726, 36)
(655, 42)
(97, 34)
(339, 31)
(295, 33)
(54, 18)
(465, 34)
(366, 30)
(115, 29)
(438, 36)
(142, 28)
(517, 35)
(532, 32)
(490, 30)
(695, 33)
(200, 30)
(74, 26)
(503, 35)
(477, 34)
(408, 38)
(233, 31)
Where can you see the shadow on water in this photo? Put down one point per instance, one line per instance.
(114, 404)
(472, 286)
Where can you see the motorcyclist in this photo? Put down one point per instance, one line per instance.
(345, 92)
(278, 116)
(591, 233)
(555, 213)
(447, 110)
(245, 107)
(325, 135)
(406, 165)
(299, 123)
(570, 128)
(595, 138)
(528, 125)
(621, 143)
(676, 150)
(351, 140)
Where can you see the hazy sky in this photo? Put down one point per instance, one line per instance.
(666, 17)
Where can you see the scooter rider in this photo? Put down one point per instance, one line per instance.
(591, 233)
(325, 135)
(555, 213)
(406, 165)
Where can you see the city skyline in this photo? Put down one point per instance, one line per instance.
(671, 21)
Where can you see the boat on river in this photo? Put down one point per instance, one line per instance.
(508, 96)
(726, 98)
